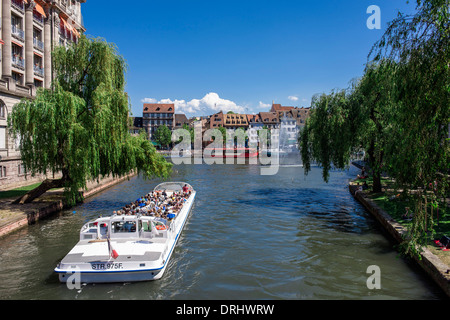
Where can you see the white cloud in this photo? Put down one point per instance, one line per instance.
(293, 98)
(209, 104)
(264, 105)
(148, 100)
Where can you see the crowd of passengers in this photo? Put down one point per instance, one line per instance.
(158, 204)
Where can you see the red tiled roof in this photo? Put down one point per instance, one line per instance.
(269, 117)
(279, 107)
(159, 107)
(251, 118)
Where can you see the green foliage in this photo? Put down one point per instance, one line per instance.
(418, 152)
(79, 128)
(224, 133)
(163, 135)
(326, 136)
(398, 112)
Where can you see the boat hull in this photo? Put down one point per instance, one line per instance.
(126, 268)
(111, 277)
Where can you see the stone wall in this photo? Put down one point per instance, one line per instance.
(430, 263)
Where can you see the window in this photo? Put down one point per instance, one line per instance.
(124, 226)
(38, 83)
(2, 137)
(18, 77)
(16, 22)
(37, 39)
(2, 110)
(38, 70)
(21, 169)
(17, 56)
(2, 172)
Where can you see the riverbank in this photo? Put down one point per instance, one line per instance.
(16, 216)
(435, 262)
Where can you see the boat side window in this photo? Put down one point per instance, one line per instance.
(103, 229)
(124, 226)
(146, 226)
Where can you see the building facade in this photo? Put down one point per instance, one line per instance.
(180, 121)
(156, 115)
(291, 119)
(254, 125)
(30, 30)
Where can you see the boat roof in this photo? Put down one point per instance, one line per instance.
(172, 186)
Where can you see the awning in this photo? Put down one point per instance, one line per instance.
(75, 31)
(39, 55)
(69, 27)
(1, 41)
(40, 9)
(17, 43)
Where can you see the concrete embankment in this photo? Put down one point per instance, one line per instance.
(430, 263)
(14, 217)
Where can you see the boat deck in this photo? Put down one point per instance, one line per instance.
(130, 250)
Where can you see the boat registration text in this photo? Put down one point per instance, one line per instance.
(106, 266)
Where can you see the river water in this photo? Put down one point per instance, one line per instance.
(285, 236)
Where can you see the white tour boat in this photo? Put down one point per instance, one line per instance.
(128, 248)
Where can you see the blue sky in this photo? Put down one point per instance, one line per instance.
(237, 55)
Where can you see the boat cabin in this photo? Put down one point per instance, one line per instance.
(125, 227)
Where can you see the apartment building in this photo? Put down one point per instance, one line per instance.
(29, 31)
(156, 115)
(254, 124)
(215, 121)
(291, 119)
(180, 121)
(233, 121)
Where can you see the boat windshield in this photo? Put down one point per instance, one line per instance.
(123, 226)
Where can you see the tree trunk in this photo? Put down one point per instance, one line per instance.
(40, 190)
(376, 187)
(374, 165)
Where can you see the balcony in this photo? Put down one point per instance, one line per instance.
(38, 44)
(18, 61)
(38, 70)
(17, 32)
(18, 4)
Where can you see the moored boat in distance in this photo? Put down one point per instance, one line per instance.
(231, 152)
(131, 247)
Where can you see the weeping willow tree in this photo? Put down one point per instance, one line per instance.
(328, 136)
(399, 113)
(78, 129)
(345, 121)
(418, 156)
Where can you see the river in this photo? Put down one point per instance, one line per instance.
(285, 236)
